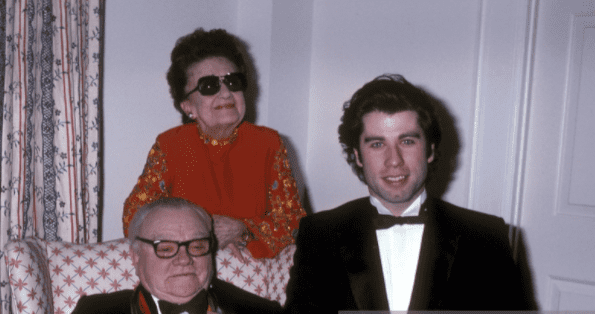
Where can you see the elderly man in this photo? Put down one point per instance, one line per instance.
(173, 244)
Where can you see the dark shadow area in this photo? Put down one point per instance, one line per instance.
(444, 167)
(443, 173)
(522, 260)
(307, 203)
(298, 174)
(251, 93)
(251, 96)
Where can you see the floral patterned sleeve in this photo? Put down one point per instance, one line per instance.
(149, 187)
(273, 231)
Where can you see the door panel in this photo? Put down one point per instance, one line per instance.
(558, 195)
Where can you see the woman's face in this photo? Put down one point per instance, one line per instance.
(216, 113)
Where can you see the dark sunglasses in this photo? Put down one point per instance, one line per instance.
(210, 85)
(169, 249)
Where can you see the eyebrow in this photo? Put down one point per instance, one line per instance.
(168, 237)
(373, 139)
(402, 136)
(411, 134)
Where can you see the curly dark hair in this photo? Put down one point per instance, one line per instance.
(388, 93)
(196, 47)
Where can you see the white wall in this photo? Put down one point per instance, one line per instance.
(310, 57)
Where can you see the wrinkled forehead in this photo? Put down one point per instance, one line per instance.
(179, 223)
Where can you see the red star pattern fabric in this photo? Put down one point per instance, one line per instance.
(50, 277)
(266, 277)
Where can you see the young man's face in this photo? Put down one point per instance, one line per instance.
(393, 157)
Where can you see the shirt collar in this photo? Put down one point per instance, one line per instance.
(156, 300)
(412, 210)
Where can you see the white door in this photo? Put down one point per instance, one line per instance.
(558, 194)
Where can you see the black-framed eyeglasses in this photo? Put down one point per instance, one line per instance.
(211, 85)
(169, 249)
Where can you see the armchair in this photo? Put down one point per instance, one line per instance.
(50, 277)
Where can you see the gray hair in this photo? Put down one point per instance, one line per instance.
(174, 203)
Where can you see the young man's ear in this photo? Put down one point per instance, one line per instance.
(431, 156)
(357, 159)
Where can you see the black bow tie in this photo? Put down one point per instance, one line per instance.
(387, 221)
(198, 304)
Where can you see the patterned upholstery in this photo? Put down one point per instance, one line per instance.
(50, 277)
(29, 275)
(265, 277)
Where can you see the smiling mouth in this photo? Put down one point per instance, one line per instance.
(227, 106)
(396, 179)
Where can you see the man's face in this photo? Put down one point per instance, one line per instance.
(180, 278)
(393, 157)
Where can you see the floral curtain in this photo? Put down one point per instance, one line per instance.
(50, 125)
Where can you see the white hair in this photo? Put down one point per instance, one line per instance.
(174, 203)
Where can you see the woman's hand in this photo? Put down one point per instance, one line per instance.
(229, 234)
(236, 251)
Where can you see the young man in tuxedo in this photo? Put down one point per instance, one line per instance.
(172, 245)
(399, 249)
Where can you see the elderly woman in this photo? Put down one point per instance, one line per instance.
(235, 170)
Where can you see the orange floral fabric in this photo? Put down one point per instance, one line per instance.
(249, 179)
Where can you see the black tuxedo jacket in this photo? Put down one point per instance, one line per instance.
(230, 299)
(465, 262)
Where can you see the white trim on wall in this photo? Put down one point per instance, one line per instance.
(501, 109)
(522, 125)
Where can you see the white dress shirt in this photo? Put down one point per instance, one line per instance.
(399, 254)
(156, 300)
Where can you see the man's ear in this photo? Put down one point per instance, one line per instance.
(431, 157)
(357, 158)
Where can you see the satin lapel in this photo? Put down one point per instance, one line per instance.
(438, 251)
(359, 250)
(141, 302)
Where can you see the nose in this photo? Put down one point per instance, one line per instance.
(394, 157)
(182, 258)
(224, 90)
